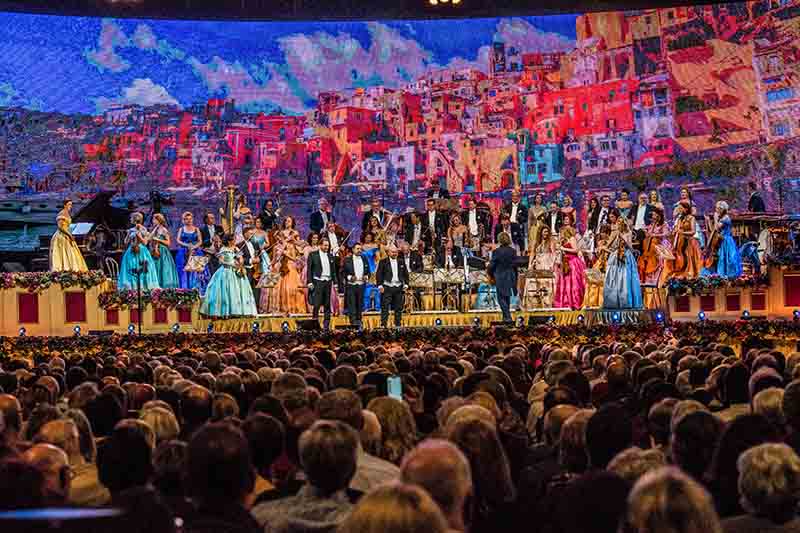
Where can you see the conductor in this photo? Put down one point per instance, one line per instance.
(504, 273)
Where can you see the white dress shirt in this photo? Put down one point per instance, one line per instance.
(601, 219)
(472, 222)
(324, 218)
(334, 242)
(449, 261)
(553, 221)
(358, 268)
(211, 232)
(416, 236)
(432, 221)
(326, 267)
(514, 213)
(641, 210)
(395, 281)
(407, 259)
(251, 249)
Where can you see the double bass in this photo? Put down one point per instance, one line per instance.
(649, 261)
(711, 252)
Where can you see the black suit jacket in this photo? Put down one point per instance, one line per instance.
(205, 235)
(249, 258)
(408, 231)
(522, 213)
(455, 253)
(648, 212)
(349, 270)
(439, 223)
(268, 219)
(756, 203)
(482, 217)
(415, 260)
(548, 220)
(317, 224)
(384, 271)
(498, 229)
(383, 216)
(503, 270)
(314, 267)
(443, 193)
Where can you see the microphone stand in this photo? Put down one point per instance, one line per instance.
(138, 272)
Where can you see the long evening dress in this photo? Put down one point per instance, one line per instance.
(651, 262)
(268, 302)
(136, 257)
(622, 288)
(291, 296)
(544, 260)
(165, 264)
(372, 296)
(190, 280)
(570, 285)
(228, 294)
(593, 298)
(729, 260)
(64, 252)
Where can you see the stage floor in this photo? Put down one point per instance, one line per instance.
(426, 319)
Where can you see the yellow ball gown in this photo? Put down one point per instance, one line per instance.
(64, 252)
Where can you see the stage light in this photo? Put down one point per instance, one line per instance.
(256, 327)
(701, 316)
(438, 322)
(659, 316)
(176, 327)
(520, 321)
(551, 319)
(77, 331)
(581, 318)
(616, 318)
(745, 315)
(22, 331)
(476, 322)
(796, 314)
(131, 329)
(285, 326)
(210, 327)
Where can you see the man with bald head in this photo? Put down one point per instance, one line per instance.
(439, 467)
(85, 488)
(54, 464)
(392, 278)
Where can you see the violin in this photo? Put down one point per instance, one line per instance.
(711, 252)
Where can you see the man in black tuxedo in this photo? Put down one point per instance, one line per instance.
(251, 256)
(355, 272)
(518, 215)
(602, 213)
(504, 226)
(269, 215)
(392, 279)
(450, 257)
(554, 219)
(434, 226)
(209, 229)
(756, 202)
(411, 258)
(321, 270)
(437, 192)
(474, 218)
(502, 269)
(640, 219)
(320, 218)
(414, 230)
(375, 210)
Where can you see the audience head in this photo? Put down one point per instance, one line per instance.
(219, 470)
(395, 508)
(769, 481)
(328, 451)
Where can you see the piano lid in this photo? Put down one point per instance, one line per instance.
(100, 211)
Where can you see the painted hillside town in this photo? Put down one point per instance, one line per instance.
(652, 97)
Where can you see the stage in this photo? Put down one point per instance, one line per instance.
(427, 319)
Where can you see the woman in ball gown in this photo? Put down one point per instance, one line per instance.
(159, 246)
(289, 257)
(622, 288)
(64, 251)
(729, 262)
(229, 293)
(370, 252)
(189, 244)
(686, 248)
(259, 238)
(656, 242)
(571, 271)
(137, 257)
(543, 260)
(686, 196)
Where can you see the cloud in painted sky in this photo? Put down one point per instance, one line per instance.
(105, 56)
(141, 92)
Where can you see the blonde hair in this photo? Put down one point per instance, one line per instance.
(395, 508)
(163, 421)
(158, 217)
(667, 500)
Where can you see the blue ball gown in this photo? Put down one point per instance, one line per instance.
(729, 260)
(190, 280)
(134, 260)
(165, 264)
(228, 294)
(371, 292)
(622, 288)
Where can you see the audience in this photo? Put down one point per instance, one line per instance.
(496, 430)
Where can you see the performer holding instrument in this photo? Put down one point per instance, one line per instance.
(656, 249)
(721, 256)
(137, 268)
(570, 272)
(162, 256)
(686, 249)
(622, 288)
(229, 292)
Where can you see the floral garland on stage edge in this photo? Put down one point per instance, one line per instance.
(161, 298)
(38, 282)
(704, 284)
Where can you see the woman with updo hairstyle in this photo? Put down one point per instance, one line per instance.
(395, 508)
(137, 258)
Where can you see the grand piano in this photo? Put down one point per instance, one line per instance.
(104, 229)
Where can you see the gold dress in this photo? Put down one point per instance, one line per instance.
(64, 252)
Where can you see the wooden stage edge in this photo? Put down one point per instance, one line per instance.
(428, 319)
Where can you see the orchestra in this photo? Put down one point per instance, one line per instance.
(602, 256)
